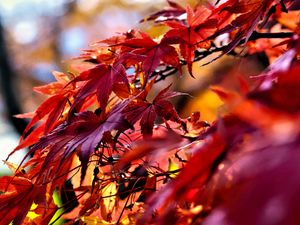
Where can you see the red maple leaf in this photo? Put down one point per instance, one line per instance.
(81, 134)
(54, 106)
(18, 195)
(192, 35)
(101, 81)
(246, 17)
(146, 112)
(151, 53)
(167, 14)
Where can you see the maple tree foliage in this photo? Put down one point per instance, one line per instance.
(116, 154)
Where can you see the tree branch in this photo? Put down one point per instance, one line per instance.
(257, 35)
(199, 55)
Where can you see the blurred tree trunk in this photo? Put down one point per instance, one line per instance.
(7, 76)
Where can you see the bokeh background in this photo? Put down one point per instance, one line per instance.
(40, 36)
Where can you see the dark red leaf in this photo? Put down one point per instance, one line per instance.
(154, 53)
(140, 109)
(189, 37)
(101, 81)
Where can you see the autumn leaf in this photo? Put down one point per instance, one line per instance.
(193, 35)
(18, 194)
(154, 53)
(81, 134)
(101, 81)
(146, 112)
(172, 13)
(53, 107)
(248, 15)
(144, 147)
(202, 160)
(109, 201)
(55, 87)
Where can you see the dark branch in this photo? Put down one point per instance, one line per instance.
(199, 55)
(257, 35)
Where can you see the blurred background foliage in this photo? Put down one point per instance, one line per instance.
(39, 36)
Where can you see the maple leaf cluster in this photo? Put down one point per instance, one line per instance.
(115, 153)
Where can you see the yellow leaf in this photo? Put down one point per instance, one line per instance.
(31, 214)
(172, 167)
(94, 220)
(109, 200)
(128, 220)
